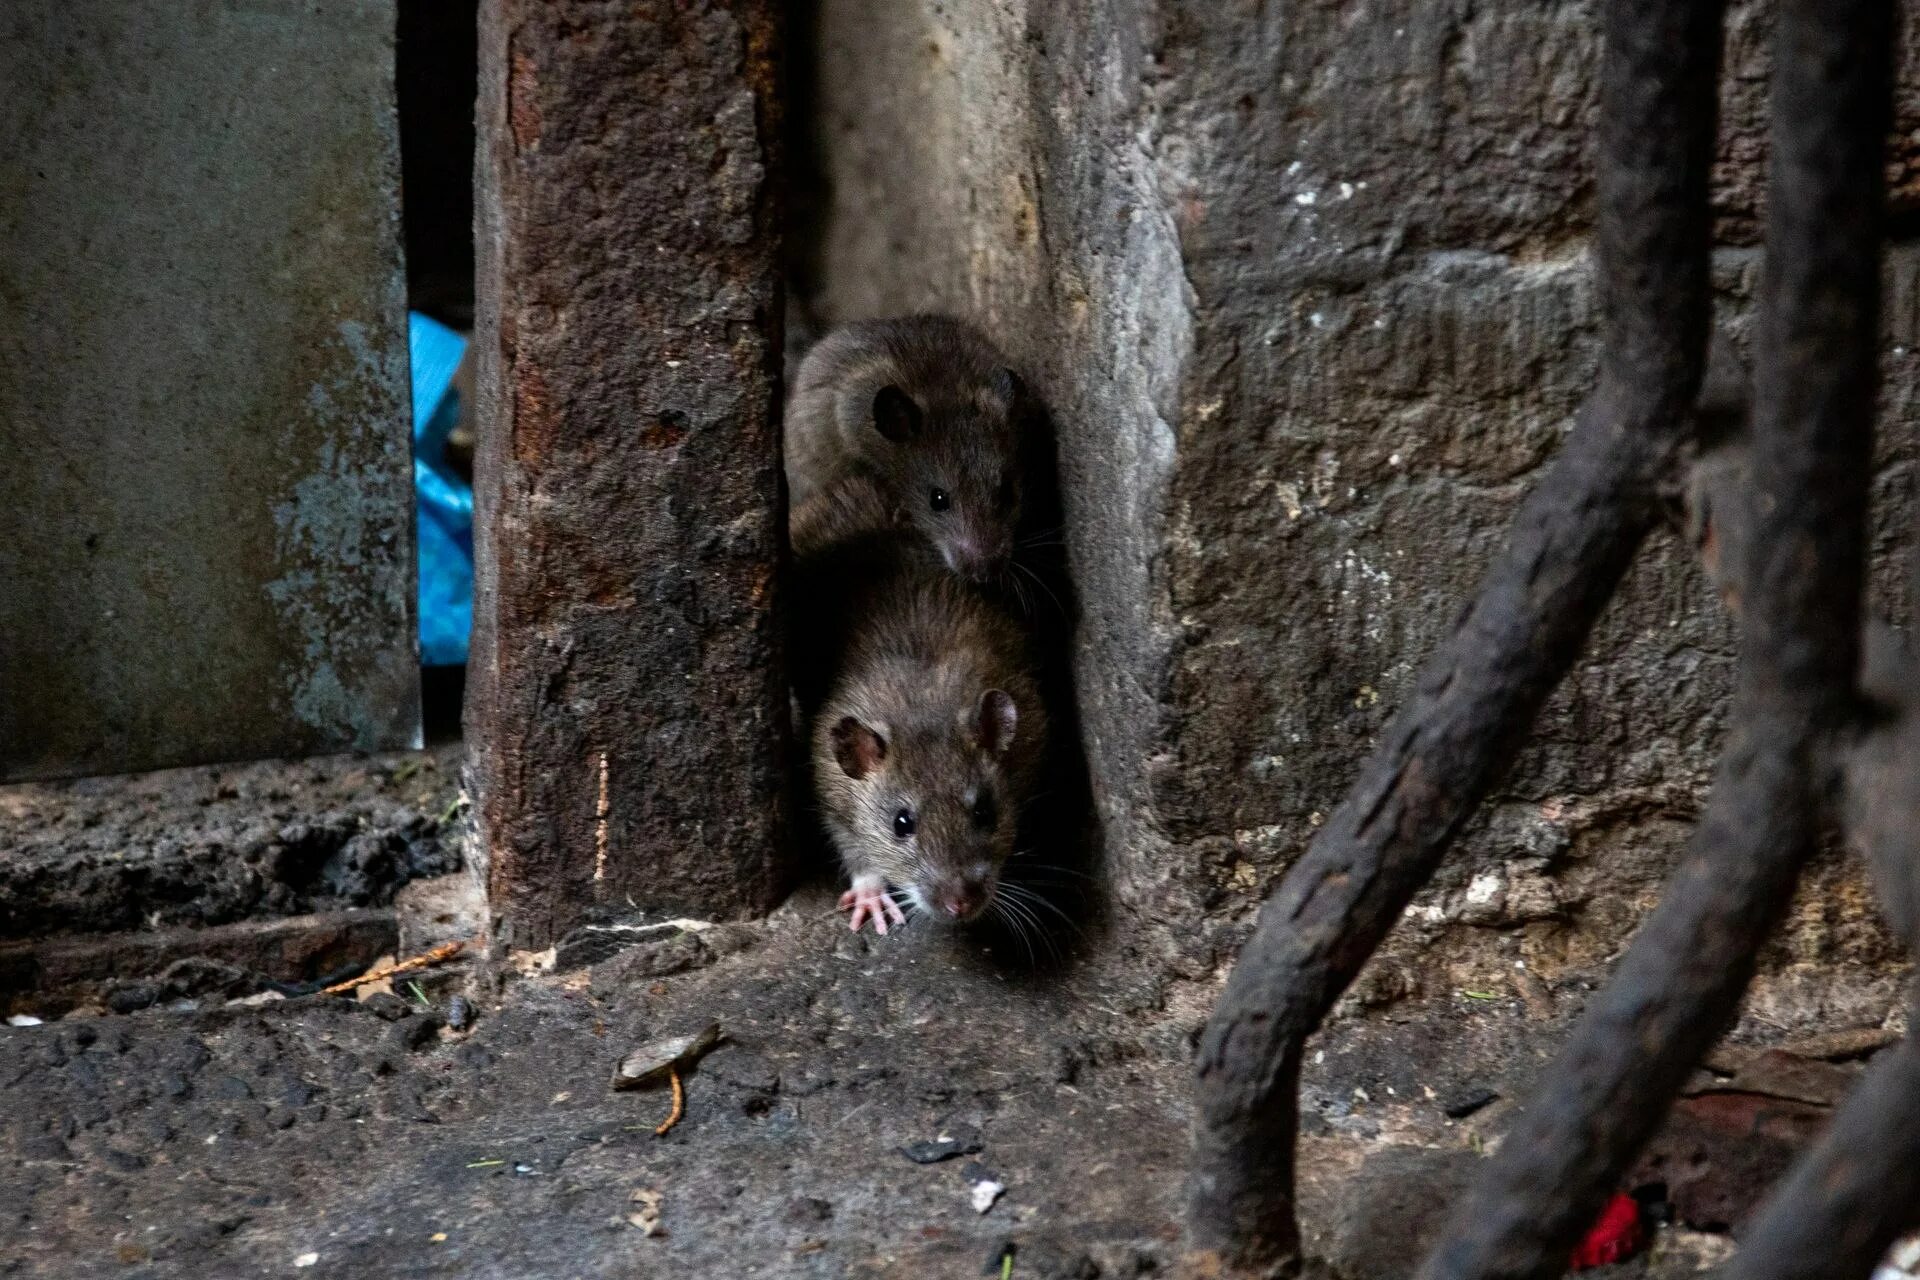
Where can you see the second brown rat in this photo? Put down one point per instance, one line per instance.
(930, 410)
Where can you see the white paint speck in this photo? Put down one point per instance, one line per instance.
(23, 1020)
(1346, 191)
(1306, 198)
(1316, 319)
(306, 1260)
(1483, 889)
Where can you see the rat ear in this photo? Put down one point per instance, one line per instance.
(1007, 386)
(994, 719)
(858, 749)
(895, 415)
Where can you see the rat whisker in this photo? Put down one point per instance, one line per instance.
(1021, 893)
(998, 908)
(1050, 866)
(1041, 582)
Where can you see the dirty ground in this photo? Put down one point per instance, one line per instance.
(335, 1136)
(362, 1138)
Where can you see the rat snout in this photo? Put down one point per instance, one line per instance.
(975, 558)
(961, 899)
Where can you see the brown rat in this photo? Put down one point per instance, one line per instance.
(929, 732)
(930, 410)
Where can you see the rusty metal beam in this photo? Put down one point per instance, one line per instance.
(627, 702)
(1478, 696)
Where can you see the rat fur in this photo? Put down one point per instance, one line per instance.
(928, 730)
(932, 412)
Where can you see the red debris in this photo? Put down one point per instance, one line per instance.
(1616, 1237)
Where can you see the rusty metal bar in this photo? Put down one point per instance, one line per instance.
(1801, 587)
(1478, 696)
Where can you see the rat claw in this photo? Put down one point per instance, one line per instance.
(893, 909)
(868, 899)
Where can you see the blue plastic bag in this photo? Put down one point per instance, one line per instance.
(444, 516)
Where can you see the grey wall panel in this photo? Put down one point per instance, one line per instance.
(206, 529)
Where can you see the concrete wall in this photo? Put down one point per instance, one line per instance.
(206, 498)
(1309, 288)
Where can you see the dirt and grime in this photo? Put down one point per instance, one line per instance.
(217, 844)
(347, 1137)
(864, 1101)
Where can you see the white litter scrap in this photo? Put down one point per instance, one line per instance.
(985, 1192)
(646, 1218)
(1903, 1262)
(23, 1020)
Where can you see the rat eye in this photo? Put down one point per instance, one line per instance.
(986, 814)
(903, 823)
(937, 499)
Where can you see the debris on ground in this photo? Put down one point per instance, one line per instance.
(445, 951)
(1468, 1103)
(963, 1142)
(986, 1185)
(653, 1062)
(1615, 1237)
(679, 1102)
(647, 1216)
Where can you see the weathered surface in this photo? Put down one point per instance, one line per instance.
(626, 704)
(362, 1134)
(206, 502)
(1310, 292)
(52, 977)
(221, 844)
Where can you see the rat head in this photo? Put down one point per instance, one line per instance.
(928, 803)
(951, 461)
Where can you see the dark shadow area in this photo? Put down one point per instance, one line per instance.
(1055, 872)
(437, 70)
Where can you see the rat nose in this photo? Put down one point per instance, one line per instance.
(966, 557)
(961, 900)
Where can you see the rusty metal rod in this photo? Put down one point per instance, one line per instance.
(1801, 588)
(1479, 694)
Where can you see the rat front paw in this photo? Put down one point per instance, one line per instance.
(868, 897)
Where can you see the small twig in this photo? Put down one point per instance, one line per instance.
(679, 1102)
(445, 951)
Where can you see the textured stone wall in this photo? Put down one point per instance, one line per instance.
(627, 704)
(1309, 287)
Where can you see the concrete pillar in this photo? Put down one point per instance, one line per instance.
(627, 706)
